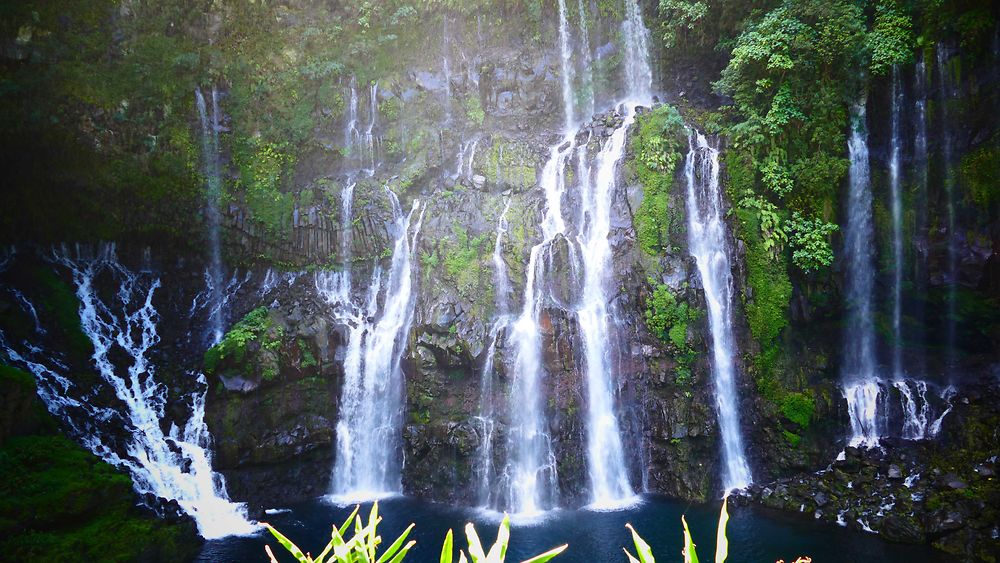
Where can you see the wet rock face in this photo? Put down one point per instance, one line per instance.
(274, 430)
(940, 491)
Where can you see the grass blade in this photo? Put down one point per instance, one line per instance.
(499, 550)
(547, 555)
(475, 546)
(446, 549)
(721, 542)
(287, 544)
(395, 545)
(641, 547)
(690, 555)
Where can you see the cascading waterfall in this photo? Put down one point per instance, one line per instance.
(896, 142)
(174, 465)
(947, 157)
(860, 381)
(709, 244)
(484, 467)
(586, 62)
(213, 191)
(367, 449)
(530, 474)
(530, 480)
(920, 195)
(609, 482)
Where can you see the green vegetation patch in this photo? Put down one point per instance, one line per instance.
(658, 147)
(59, 502)
(257, 335)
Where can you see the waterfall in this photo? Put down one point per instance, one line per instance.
(566, 68)
(709, 245)
(860, 381)
(367, 462)
(946, 93)
(586, 61)
(213, 191)
(122, 327)
(638, 73)
(920, 188)
(529, 479)
(484, 467)
(609, 483)
(896, 103)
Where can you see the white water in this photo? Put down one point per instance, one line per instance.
(609, 482)
(946, 93)
(860, 381)
(916, 408)
(126, 326)
(367, 459)
(895, 190)
(529, 477)
(213, 191)
(708, 241)
(484, 465)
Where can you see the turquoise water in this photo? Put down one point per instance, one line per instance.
(755, 535)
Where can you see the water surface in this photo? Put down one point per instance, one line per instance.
(755, 535)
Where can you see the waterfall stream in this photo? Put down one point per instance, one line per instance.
(896, 205)
(484, 466)
(861, 385)
(709, 244)
(367, 458)
(213, 191)
(529, 477)
(122, 325)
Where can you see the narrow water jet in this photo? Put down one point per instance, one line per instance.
(367, 454)
(861, 387)
(709, 244)
(213, 192)
(896, 205)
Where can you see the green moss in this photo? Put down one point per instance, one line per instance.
(980, 170)
(255, 331)
(657, 148)
(464, 264)
(668, 319)
(474, 110)
(59, 502)
(13, 377)
(798, 408)
(60, 301)
(792, 438)
(509, 162)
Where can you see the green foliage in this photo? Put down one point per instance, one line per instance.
(60, 301)
(792, 438)
(891, 37)
(59, 502)
(666, 318)
(255, 331)
(474, 110)
(658, 150)
(798, 408)
(811, 242)
(362, 544)
(463, 259)
(680, 17)
(980, 170)
(262, 167)
(645, 553)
